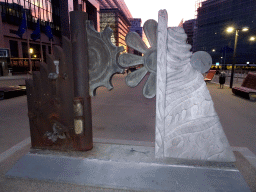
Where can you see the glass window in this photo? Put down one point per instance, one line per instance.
(14, 48)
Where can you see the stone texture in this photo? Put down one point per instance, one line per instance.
(102, 58)
(187, 125)
(127, 167)
(148, 60)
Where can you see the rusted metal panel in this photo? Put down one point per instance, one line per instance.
(50, 105)
(65, 83)
(31, 111)
(50, 100)
(59, 102)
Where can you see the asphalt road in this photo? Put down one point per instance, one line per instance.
(14, 124)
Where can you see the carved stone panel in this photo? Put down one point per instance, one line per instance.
(187, 125)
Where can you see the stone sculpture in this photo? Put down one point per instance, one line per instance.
(149, 61)
(102, 58)
(187, 125)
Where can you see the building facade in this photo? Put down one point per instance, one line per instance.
(213, 19)
(22, 49)
(116, 15)
(189, 30)
(112, 13)
(36, 13)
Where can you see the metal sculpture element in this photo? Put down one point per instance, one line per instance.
(50, 95)
(187, 125)
(59, 99)
(102, 58)
(58, 96)
(149, 60)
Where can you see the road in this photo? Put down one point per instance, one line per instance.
(123, 115)
(14, 124)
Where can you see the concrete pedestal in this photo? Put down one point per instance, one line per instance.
(128, 167)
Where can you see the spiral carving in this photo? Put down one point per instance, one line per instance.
(189, 127)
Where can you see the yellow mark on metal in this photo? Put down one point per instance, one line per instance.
(78, 124)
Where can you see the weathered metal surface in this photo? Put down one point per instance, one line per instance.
(149, 59)
(187, 125)
(59, 132)
(47, 99)
(78, 115)
(80, 58)
(85, 63)
(50, 102)
(102, 58)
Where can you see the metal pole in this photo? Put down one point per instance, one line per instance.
(75, 5)
(28, 47)
(234, 60)
(82, 99)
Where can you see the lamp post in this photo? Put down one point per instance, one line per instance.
(31, 51)
(230, 29)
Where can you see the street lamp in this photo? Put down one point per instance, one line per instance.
(252, 38)
(31, 50)
(230, 30)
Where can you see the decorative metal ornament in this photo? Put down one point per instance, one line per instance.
(149, 59)
(102, 58)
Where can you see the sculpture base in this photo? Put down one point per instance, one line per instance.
(128, 167)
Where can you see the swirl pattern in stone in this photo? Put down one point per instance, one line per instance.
(187, 125)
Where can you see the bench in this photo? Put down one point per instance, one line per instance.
(12, 91)
(248, 87)
(209, 75)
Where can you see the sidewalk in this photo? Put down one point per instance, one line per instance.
(13, 80)
(12, 77)
(237, 81)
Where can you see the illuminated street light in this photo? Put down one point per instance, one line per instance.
(229, 30)
(252, 38)
(245, 29)
(213, 50)
(31, 50)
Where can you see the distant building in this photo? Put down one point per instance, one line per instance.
(213, 19)
(189, 29)
(11, 18)
(113, 13)
(55, 12)
(116, 15)
(135, 27)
